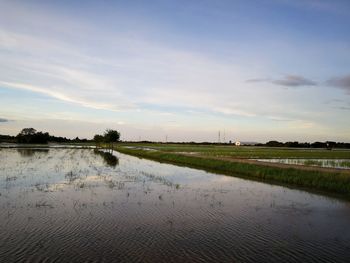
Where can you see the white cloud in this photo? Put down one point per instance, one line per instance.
(126, 71)
(159, 75)
(59, 96)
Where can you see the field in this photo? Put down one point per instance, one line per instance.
(241, 162)
(246, 151)
(74, 204)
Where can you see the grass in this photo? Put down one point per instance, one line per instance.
(333, 182)
(248, 152)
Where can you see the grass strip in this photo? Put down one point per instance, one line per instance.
(332, 182)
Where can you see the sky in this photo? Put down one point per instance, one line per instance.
(177, 70)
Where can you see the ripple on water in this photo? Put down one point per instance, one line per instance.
(71, 204)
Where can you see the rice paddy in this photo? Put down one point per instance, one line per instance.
(78, 205)
(314, 169)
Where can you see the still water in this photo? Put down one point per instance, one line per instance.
(330, 163)
(80, 205)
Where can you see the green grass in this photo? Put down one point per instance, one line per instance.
(332, 182)
(248, 151)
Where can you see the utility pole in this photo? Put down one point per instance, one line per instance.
(219, 140)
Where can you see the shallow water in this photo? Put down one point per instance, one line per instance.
(77, 205)
(330, 163)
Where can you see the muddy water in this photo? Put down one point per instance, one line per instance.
(77, 205)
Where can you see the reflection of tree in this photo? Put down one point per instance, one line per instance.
(109, 159)
(27, 152)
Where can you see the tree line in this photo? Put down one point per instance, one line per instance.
(327, 144)
(109, 137)
(32, 136)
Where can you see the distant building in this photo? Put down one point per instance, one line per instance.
(237, 143)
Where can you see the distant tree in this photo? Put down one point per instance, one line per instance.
(27, 131)
(274, 144)
(304, 145)
(291, 144)
(331, 144)
(111, 136)
(328, 144)
(40, 137)
(319, 145)
(98, 139)
(30, 135)
(7, 138)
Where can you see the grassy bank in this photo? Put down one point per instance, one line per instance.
(332, 182)
(248, 151)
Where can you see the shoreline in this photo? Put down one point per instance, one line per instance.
(327, 180)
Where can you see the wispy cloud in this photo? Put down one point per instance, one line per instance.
(234, 111)
(343, 108)
(277, 118)
(340, 82)
(140, 71)
(288, 81)
(259, 80)
(294, 81)
(152, 73)
(59, 96)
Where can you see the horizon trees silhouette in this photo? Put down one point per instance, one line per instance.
(109, 136)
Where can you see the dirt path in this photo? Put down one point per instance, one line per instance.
(278, 165)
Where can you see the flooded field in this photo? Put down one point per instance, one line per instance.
(78, 205)
(330, 163)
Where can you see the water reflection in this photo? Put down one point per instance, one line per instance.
(69, 206)
(109, 159)
(330, 163)
(28, 152)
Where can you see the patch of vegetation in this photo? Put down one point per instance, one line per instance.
(32, 136)
(71, 176)
(328, 144)
(160, 179)
(250, 152)
(109, 137)
(334, 182)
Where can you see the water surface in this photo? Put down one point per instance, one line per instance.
(330, 163)
(80, 205)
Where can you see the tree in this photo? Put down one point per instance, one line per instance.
(111, 136)
(30, 135)
(98, 139)
(27, 131)
(274, 144)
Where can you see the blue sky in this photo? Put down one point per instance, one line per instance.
(255, 70)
